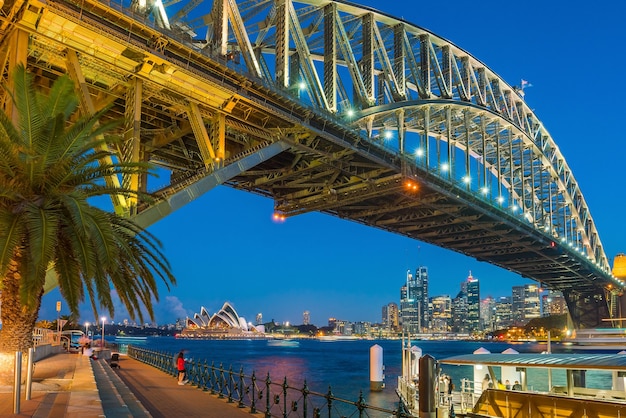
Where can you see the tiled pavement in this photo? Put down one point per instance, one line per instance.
(64, 386)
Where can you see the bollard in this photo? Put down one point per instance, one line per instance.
(376, 368)
(17, 381)
(29, 373)
(427, 395)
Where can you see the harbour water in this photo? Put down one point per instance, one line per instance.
(344, 365)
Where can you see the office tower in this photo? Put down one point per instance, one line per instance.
(504, 317)
(390, 316)
(473, 303)
(532, 305)
(306, 318)
(488, 314)
(409, 305)
(441, 313)
(259, 318)
(459, 313)
(517, 305)
(421, 294)
(554, 303)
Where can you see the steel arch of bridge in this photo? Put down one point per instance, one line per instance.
(325, 106)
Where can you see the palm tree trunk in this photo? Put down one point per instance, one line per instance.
(18, 321)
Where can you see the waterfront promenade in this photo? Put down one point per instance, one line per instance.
(71, 385)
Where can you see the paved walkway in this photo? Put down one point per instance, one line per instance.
(64, 386)
(161, 395)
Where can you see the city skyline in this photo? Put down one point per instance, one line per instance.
(225, 247)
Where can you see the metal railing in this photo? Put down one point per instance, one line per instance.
(43, 336)
(262, 395)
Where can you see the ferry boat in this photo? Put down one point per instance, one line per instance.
(572, 398)
(597, 339)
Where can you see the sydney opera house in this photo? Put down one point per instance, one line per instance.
(225, 323)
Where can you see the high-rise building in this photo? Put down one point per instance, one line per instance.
(473, 303)
(488, 314)
(517, 305)
(259, 318)
(306, 318)
(410, 305)
(390, 316)
(503, 312)
(459, 312)
(421, 294)
(532, 302)
(441, 313)
(554, 303)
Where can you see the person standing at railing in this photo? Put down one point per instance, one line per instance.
(180, 366)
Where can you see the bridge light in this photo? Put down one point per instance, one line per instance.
(552, 244)
(301, 85)
(514, 208)
(419, 152)
(388, 135)
(410, 185)
(350, 112)
(445, 167)
(484, 190)
(278, 217)
(500, 199)
(466, 179)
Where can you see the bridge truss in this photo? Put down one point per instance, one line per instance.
(325, 106)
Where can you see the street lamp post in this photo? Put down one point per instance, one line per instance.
(103, 319)
(87, 329)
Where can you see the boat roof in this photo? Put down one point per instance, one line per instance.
(556, 361)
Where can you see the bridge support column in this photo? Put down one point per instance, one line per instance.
(15, 53)
(587, 310)
(87, 107)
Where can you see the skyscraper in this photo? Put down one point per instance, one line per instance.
(409, 305)
(532, 302)
(517, 305)
(390, 316)
(473, 303)
(441, 314)
(421, 276)
(306, 318)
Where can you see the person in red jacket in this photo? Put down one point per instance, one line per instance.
(180, 366)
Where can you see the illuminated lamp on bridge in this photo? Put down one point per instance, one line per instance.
(278, 217)
(411, 185)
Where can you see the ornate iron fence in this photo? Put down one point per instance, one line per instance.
(262, 395)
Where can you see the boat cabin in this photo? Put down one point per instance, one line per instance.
(563, 385)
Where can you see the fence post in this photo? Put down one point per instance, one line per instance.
(285, 386)
(305, 394)
(268, 395)
(240, 388)
(253, 396)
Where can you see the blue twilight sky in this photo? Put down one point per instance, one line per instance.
(225, 247)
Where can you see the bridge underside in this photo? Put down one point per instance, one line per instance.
(206, 125)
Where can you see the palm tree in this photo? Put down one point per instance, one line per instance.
(51, 169)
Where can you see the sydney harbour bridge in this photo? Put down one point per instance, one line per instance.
(324, 106)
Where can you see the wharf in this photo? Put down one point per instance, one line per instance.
(71, 385)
